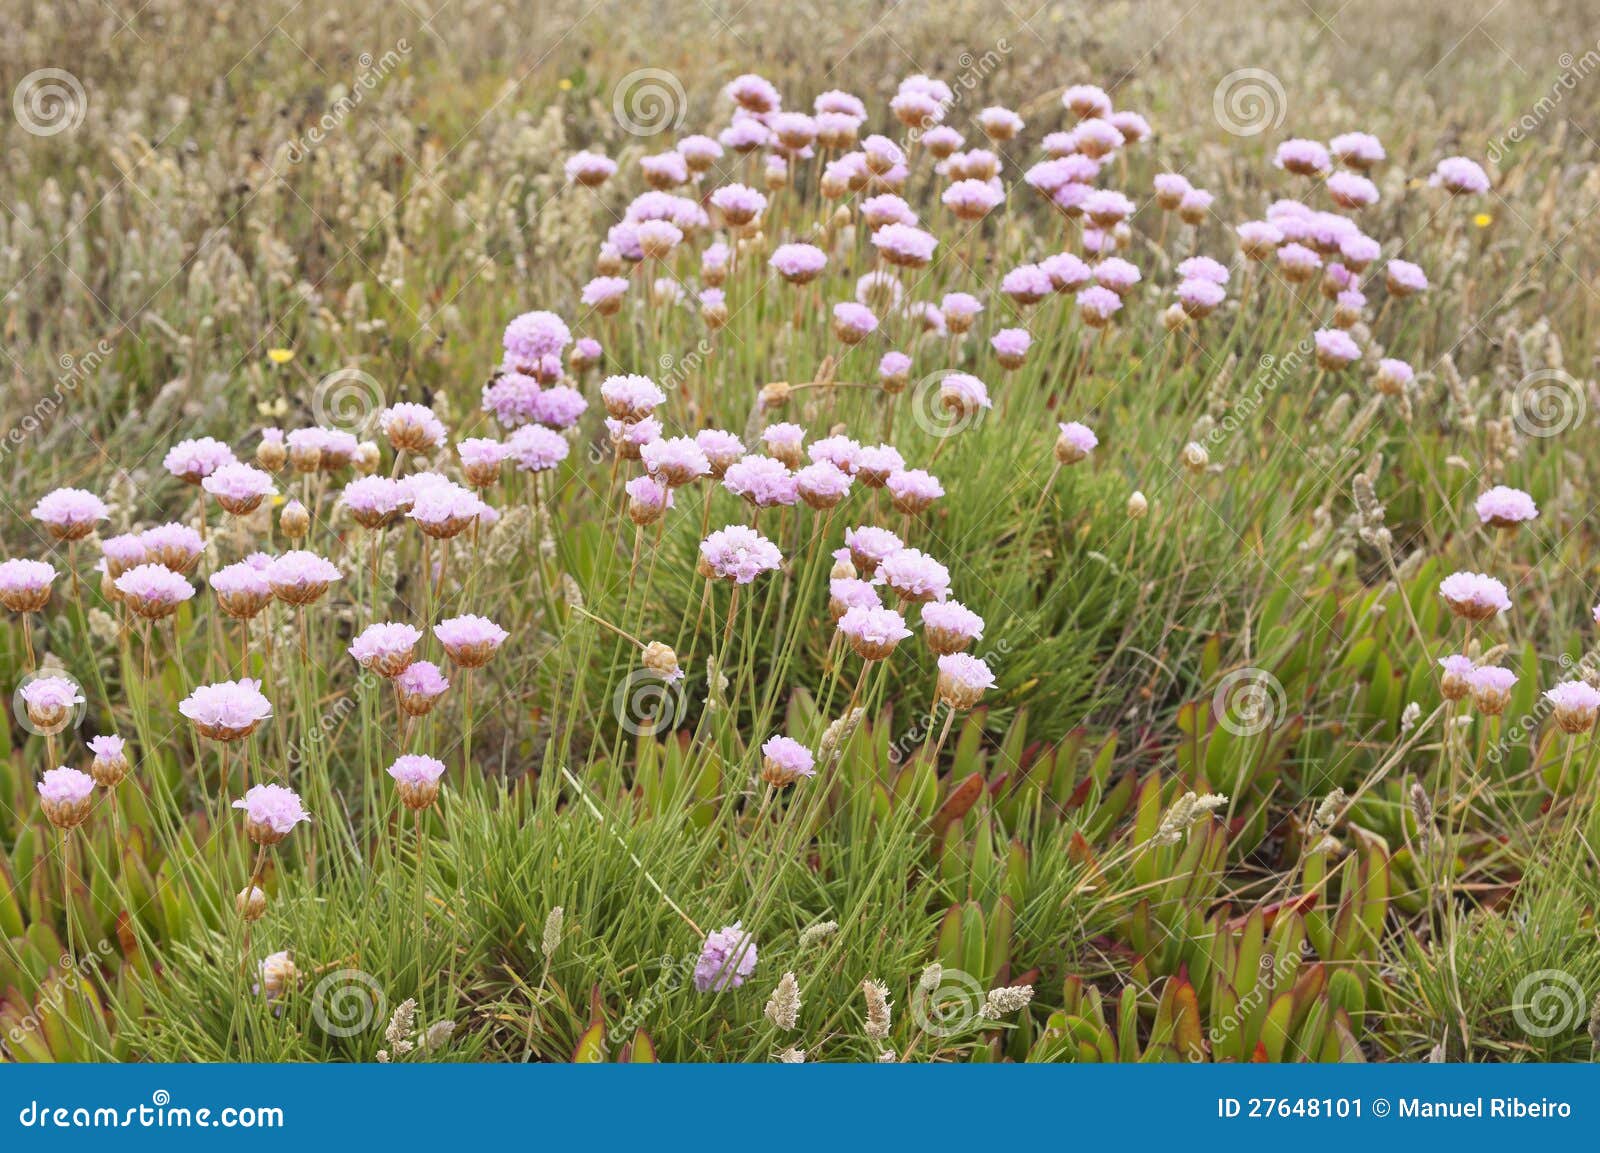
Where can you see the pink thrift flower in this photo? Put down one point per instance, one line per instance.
(239, 488)
(411, 427)
(153, 591)
(1075, 442)
(631, 398)
(727, 959)
(1505, 507)
(1011, 346)
(722, 448)
(70, 513)
(904, 245)
(470, 641)
(1474, 596)
(963, 679)
(869, 545)
(419, 688)
(25, 584)
(798, 263)
(386, 649)
(1460, 176)
(784, 761)
(194, 460)
(242, 589)
(1302, 157)
(66, 796)
(822, 485)
(535, 448)
(177, 546)
(764, 481)
(589, 169)
(914, 576)
(299, 577)
(874, 464)
(675, 462)
(950, 627)
(1336, 349)
(1404, 278)
(839, 451)
(533, 336)
(911, 491)
(1359, 150)
(228, 710)
(271, 812)
(416, 779)
(1098, 305)
(873, 633)
(738, 554)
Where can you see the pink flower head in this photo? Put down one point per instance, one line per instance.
(1066, 272)
(1200, 298)
(411, 427)
(1203, 268)
(1475, 596)
(722, 448)
(1336, 349)
(1505, 507)
(972, 199)
(510, 398)
(1404, 278)
(894, 369)
(675, 462)
(470, 641)
(70, 513)
(1358, 251)
(904, 245)
(589, 169)
(798, 263)
(1460, 176)
(960, 310)
(177, 546)
(242, 589)
(376, 501)
(754, 93)
(963, 394)
(1259, 239)
(1133, 126)
(648, 499)
(109, 746)
(66, 796)
(1170, 188)
(1097, 305)
(727, 959)
(950, 626)
(1351, 191)
(122, 552)
(738, 554)
(153, 591)
(913, 490)
(823, 484)
(1116, 274)
(532, 337)
(764, 481)
(416, 779)
(271, 812)
(845, 593)
(1086, 101)
(873, 633)
(559, 407)
(299, 577)
(839, 451)
(25, 584)
(700, 151)
(239, 488)
(194, 460)
(1359, 150)
(875, 463)
(844, 103)
(1302, 157)
(631, 398)
(442, 508)
(914, 576)
(1011, 346)
(738, 204)
(963, 679)
(1491, 688)
(1298, 262)
(1096, 138)
(535, 448)
(227, 710)
(1075, 442)
(1575, 704)
(386, 648)
(419, 687)
(604, 294)
(481, 459)
(665, 169)
(885, 209)
(1107, 207)
(1394, 376)
(744, 135)
(869, 545)
(50, 699)
(785, 760)
(852, 322)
